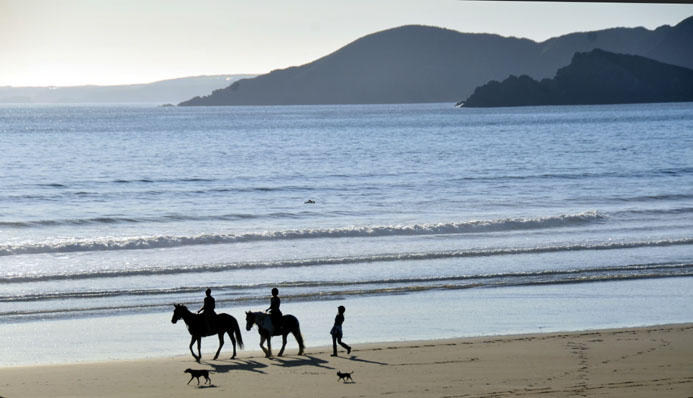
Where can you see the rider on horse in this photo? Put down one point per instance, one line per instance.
(275, 313)
(208, 310)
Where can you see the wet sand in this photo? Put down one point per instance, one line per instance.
(654, 361)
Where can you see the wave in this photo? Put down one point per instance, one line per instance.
(321, 290)
(314, 262)
(655, 198)
(168, 218)
(662, 269)
(160, 219)
(675, 171)
(161, 180)
(157, 242)
(672, 211)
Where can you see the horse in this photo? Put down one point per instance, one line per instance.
(223, 323)
(289, 325)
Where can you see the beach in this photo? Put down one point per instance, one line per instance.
(427, 222)
(634, 362)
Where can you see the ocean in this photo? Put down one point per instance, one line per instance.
(426, 221)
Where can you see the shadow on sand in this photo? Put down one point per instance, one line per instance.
(305, 360)
(357, 359)
(201, 386)
(249, 366)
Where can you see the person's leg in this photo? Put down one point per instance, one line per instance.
(344, 345)
(334, 345)
(208, 323)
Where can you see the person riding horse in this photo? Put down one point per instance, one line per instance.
(208, 310)
(275, 313)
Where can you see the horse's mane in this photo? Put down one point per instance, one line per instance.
(259, 316)
(183, 307)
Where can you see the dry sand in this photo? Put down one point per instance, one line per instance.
(648, 362)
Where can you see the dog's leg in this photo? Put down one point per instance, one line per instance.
(191, 377)
(198, 380)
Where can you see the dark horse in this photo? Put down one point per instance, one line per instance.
(223, 323)
(289, 325)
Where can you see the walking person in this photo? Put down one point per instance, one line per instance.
(336, 332)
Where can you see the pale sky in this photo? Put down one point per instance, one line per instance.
(75, 42)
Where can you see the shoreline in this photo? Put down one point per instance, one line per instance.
(430, 315)
(641, 361)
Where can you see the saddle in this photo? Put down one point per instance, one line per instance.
(269, 325)
(210, 323)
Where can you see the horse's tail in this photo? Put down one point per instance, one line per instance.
(299, 336)
(237, 332)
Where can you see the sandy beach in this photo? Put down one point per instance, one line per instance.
(636, 362)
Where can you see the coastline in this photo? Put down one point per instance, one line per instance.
(427, 315)
(634, 362)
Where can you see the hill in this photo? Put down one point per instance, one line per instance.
(172, 90)
(413, 64)
(596, 77)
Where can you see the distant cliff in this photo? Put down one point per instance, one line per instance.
(413, 64)
(172, 90)
(596, 77)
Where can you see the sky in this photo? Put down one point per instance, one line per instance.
(106, 42)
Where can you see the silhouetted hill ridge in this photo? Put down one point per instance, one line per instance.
(418, 63)
(170, 90)
(595, 77)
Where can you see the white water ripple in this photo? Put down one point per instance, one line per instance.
(155, 242)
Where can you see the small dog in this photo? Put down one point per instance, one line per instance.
(344, 376)
(197, 373)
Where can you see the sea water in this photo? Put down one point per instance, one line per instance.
(425, 221)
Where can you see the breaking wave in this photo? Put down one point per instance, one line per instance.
(315, 262)
(157, 242)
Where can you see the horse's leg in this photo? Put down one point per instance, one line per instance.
(199, 348)
(281, 352)
(262, 342)
(269, 346)
(221, 344)
(192, 341)
(233, 342)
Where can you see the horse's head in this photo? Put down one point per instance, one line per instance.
(178, 310)
(249, 320)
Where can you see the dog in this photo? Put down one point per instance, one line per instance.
(197, 373)
(344, 376)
